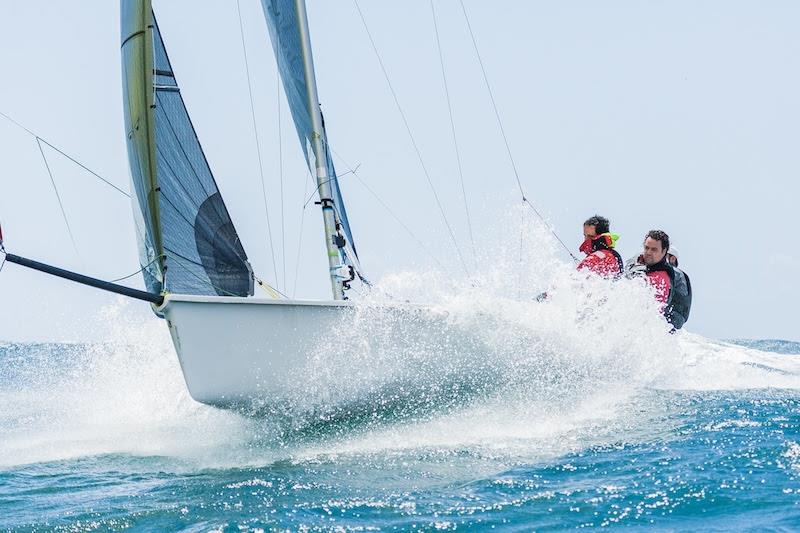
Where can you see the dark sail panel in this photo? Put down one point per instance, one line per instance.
(199, 248)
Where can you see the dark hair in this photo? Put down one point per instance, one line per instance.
(601, 224)
(658, 235)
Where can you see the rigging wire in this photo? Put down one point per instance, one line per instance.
(503, 133)
(354, 172)
(40, 141)
(300, 240)
(58, 196)
(521, 249)
(318, 186)
(84, 167)
(280, 171)
(455, 138)
(258, 143)
(411, 136)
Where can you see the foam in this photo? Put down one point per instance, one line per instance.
(126, 396)
(502, 376)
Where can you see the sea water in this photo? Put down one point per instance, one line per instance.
(578, 411)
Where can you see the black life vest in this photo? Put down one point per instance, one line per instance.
(679, 303)
(679, 300)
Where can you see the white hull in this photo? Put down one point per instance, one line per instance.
(236, 352)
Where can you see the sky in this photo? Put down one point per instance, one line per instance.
(675, 115)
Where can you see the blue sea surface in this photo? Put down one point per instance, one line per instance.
(97, 438)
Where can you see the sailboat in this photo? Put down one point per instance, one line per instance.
(234, 349)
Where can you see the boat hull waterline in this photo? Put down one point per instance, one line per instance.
(242, 352)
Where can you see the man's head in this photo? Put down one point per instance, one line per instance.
(595, 226)
(656, 244)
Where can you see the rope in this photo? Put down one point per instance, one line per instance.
(128, 276)
(258, 143)
(137, 272)
(503, 133)
(455, 139)
(58, 196)
(84, 167)
(411, 136)
(269, 289)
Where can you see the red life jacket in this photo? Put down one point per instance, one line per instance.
(601, 258)
(659, 279)
(673, 290)
(658, 276)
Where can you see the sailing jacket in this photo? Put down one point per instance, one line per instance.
(601, 257)
(673, 289)
(660, 276)
(680, 302)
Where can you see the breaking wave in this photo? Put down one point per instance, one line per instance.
(494, 372)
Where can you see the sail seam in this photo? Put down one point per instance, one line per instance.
(194, 204)
(182, 149)
(188, 270)
(225, 243)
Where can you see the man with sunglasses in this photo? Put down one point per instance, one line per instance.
(598, 245)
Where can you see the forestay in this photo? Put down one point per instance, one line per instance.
(188, 243)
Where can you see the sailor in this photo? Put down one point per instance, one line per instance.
(681, 303)
(672, 255)
(598, 245)
(672, 285)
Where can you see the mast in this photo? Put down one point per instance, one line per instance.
(137, 65)
(318, 145)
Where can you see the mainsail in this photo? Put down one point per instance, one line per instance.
(188, 243)
(286, 23)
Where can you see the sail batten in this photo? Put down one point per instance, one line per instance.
(188, 243)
